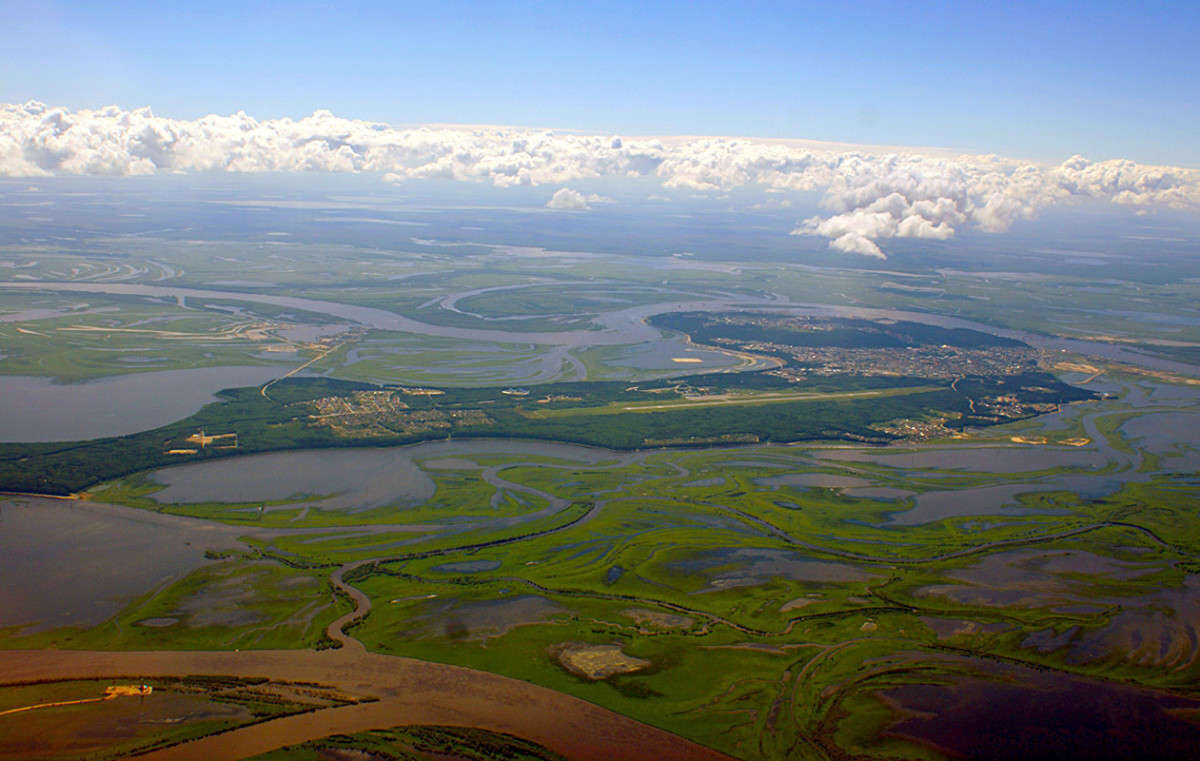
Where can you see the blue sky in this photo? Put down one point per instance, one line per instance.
(1040, 81)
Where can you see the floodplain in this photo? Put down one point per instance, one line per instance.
(557, 503)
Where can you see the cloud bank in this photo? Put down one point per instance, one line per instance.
(870, 194)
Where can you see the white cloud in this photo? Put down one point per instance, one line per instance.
(871, 195)
(569, 200)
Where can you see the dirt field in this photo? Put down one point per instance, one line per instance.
(725, 400)
(597, 661)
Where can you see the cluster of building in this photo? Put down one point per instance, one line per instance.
(944, 362)
(919, 430)
(385, 413)
(999, 409)
(200, 440)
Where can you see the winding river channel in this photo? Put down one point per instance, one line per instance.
(45, 542)
(618, 327)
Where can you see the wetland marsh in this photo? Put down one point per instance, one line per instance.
(777, 568)
(489, 489)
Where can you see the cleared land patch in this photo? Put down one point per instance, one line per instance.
(725, 400)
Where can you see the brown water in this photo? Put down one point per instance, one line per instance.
(69, 563)
(335, 479)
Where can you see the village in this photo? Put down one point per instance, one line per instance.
(915, 361)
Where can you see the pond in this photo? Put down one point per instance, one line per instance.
(1021, 713)
(352, 479)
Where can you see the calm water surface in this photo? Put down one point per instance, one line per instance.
(357, 478)
(37, 409)
(69, 563)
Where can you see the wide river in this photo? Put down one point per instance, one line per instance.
(622, 326)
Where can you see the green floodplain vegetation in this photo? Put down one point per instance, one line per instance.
(242, 601)
(418, 743)
(99, 335)
(542, 290)
(763, 618)
(767, 619)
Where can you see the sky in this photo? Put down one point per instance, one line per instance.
(1041, 81)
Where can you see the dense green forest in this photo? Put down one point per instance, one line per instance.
(705, 327)
(760, 413)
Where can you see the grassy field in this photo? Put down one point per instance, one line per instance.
(96, 336)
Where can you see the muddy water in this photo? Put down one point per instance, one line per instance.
(68, 563)
(343, 479)
(1009, 459)
(661, 355)
(37, 409)
(728, 569)
(93, 730)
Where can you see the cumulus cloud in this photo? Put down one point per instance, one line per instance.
(567, 199)
(869, 195)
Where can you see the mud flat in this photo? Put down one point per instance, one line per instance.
(597, 662)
